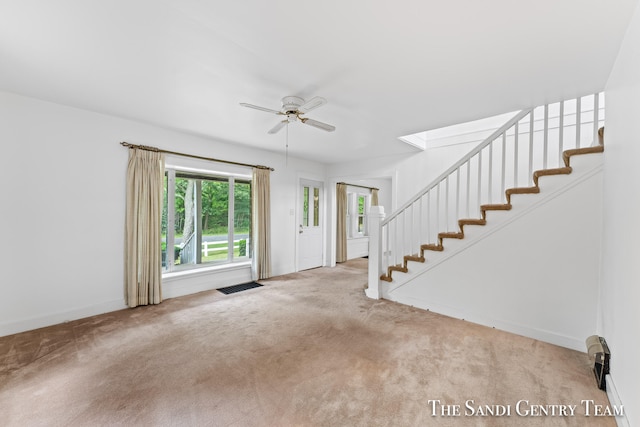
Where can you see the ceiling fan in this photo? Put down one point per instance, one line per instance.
(293, 107)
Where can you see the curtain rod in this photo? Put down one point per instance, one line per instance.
(148, 148)
(361, 186)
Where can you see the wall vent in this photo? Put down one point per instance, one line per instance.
(599, 352)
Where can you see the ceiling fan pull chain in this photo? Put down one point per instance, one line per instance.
(286, 151)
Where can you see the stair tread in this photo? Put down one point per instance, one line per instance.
(496, 207)
(415, 258)
(550, 172)
(431, 247)
(472, 221)
(566, 155)
(555, 171)
(523, 190)
(451, 235)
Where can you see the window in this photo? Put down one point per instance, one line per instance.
(357, 211)
(361, 210)
(206, 220)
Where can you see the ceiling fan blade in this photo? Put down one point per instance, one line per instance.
(255, 107)
(277, 127)
(317, 124)
(312, 104)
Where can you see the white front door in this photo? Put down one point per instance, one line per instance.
(310, 212)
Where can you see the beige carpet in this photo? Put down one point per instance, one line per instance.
(307, 349)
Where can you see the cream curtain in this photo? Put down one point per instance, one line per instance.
(374, 197)
(341, 229)
(142, 252)
(261, 223)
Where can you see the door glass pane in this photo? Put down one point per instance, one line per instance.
(305, 207)
(316, 207)
(185, 215)
(241, 219)
(215, 220)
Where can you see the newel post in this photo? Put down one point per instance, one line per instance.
(376, 215)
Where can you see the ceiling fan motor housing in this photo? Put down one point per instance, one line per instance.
(290, 104)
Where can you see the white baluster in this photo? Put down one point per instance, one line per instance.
(458, 193)
(515, 153)
(479, 179)
(395, 240)
(578, 121)
(561, 134)
(468, 187)
(387, 247)
(504, 164)
(596, 112)
(438, 211)
(545, 150)
(531, 135)
(446, 205)
(420, 225)
(401, 252)
(429, 217)
(490, 192)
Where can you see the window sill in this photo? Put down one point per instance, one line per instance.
(194, 272)
(357, 238)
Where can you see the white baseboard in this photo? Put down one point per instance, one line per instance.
(514, 328)
(614, 400)
(29, 324)
(178, 285)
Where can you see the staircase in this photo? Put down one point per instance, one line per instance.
(535, 189)
(448, 216)
(546, 137)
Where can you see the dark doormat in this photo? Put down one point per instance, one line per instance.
(237, 288)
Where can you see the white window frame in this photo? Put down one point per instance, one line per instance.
(353, 214)
(171, 171)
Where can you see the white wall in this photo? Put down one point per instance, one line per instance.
(63, 173)
(620, 309)
(408, 174)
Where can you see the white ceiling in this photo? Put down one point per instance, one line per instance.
(387, 68)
